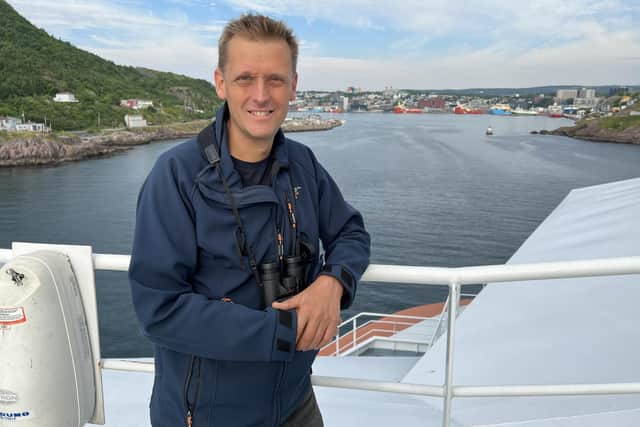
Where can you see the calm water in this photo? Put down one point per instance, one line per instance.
(434, 190)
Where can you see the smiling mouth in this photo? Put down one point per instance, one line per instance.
(260, 113)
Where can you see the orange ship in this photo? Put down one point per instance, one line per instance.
(401, 109)
(461, 109)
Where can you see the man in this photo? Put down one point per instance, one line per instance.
(219, 218)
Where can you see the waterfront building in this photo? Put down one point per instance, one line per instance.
(31, 127)
(136, 104)
(9, 123)
(586, 102)
(134, 121)
(620, 90)
(432, 103)
(586, 93)
(345, 103)
(563, 94)
(65, 97)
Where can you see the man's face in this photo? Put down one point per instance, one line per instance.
(257, 82)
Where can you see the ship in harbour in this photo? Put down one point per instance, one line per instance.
(500, 110)
(555, 111)
(402, 109)
(523, 112)
(466, 109)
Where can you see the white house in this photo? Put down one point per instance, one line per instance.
(65, 97)
(136, 104)
(9, 123)
(135, 121)
(31, 127)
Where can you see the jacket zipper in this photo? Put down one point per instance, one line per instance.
(187, 386)
(281, 252)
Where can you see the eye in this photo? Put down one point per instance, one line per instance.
(277, 81)
(244, 79)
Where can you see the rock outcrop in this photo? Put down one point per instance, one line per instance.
(592, 130)
(44, 149)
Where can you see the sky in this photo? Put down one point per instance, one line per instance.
(372, 44)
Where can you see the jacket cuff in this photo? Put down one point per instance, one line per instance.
(284, 340)
(346, 280)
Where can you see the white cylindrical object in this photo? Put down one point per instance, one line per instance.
(46, 374)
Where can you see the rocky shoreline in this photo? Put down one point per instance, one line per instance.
(592, 130)
(44, 149)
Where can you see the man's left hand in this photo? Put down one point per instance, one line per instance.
(318, 311)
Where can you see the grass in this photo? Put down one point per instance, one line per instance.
(620, 123)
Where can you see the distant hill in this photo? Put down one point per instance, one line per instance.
(35, 66)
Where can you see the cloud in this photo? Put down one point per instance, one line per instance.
(443, 16)
(178, 55)
(130, 33)
(439, 43)
(594, 61)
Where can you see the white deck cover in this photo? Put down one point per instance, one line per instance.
(544, 332)
(554, 331)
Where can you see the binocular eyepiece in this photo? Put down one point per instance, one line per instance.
(276, 286)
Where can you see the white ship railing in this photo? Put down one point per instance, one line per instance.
(453, 278)
(398, 323)
(369, 328)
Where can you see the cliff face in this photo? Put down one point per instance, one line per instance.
(41, 150)
(37, 149)
(594, 131)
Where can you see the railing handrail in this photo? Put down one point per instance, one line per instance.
(428, 390)
(438, 276)
(371, 314)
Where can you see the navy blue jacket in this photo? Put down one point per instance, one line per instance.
(220, 354)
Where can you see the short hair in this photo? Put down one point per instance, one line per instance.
(256, 27)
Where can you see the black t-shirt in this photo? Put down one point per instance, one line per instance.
(254, 173)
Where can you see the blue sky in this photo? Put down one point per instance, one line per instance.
(372, 44)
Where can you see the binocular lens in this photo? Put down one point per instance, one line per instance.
(292, 281)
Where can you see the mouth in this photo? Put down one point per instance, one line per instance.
(261, 113)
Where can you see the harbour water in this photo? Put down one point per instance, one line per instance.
(434, 190)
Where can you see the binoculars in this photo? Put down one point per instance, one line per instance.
(276, 286)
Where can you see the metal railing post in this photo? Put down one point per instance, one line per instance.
(454, 296)
(353, 331)
(445, 308)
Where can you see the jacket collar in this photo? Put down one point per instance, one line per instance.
(218, 130)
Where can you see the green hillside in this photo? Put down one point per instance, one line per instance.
(35, 66)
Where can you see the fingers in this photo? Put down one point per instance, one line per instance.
(320, 331)
(289, 304)
(328, 336)
(318, 312)
(303, 321)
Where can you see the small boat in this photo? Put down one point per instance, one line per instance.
(489, 131)
(554, 111)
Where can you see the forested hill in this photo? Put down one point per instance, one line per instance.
(35, 66)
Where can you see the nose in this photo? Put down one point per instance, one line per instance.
(260, 91)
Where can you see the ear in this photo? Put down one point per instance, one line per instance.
(218, 79)
(294, 85)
